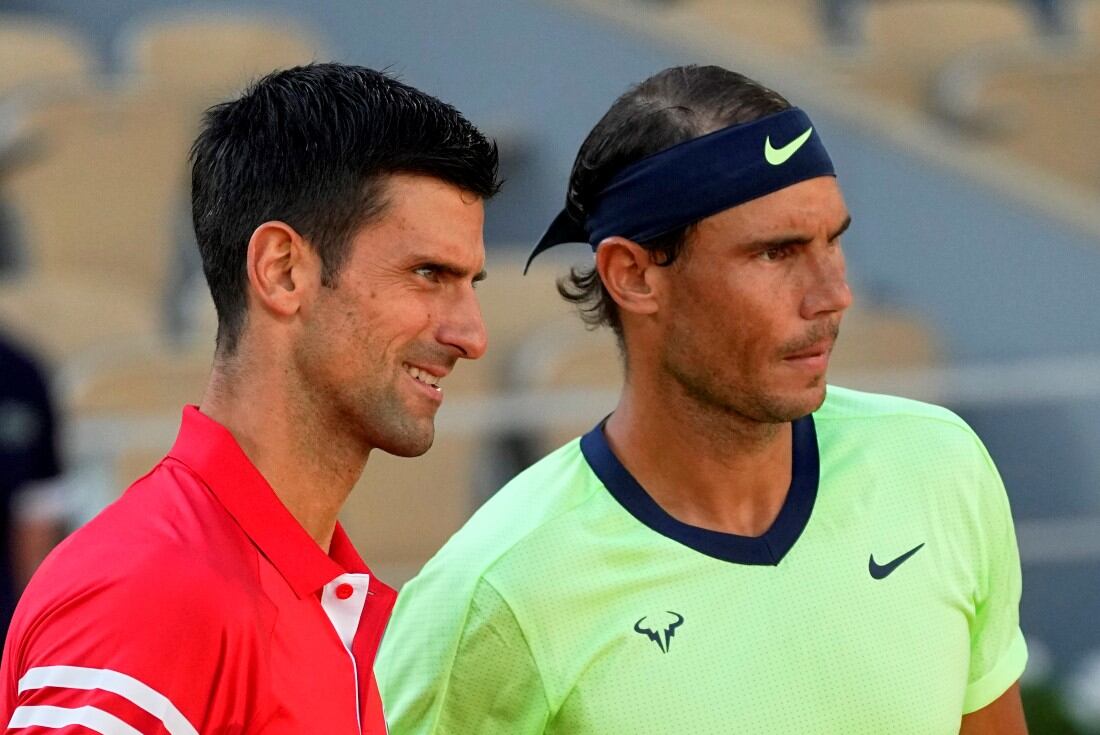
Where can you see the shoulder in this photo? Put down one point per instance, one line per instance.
(164, 632)
(920, 460)
(891, 422)
(847, 404)
(907, 454)
(158, 559)
(137, 599)
(167, 519)
(163, 636)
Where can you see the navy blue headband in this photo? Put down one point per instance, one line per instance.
(698, 178)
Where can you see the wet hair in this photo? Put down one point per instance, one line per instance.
(313, 147)
(672, 106)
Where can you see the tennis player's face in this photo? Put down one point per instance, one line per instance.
(756, 304)
(380, 344)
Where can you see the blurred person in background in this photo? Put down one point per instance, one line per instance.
(34, 507)
(736, 548)
(32, 501)
(339, 215)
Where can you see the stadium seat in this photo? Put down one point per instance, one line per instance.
(95, 207)
(883, 339)
(1018, 76)
(786, 27)
(145, 380)
(899, 30)
(35, 54)
(122, 404)
(513, 305)
(576, 373)
(1034, 101)
(843, 20)
(207, 56)
(908, 41)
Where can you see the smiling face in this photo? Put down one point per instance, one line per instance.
(375, 349)
(754, 304)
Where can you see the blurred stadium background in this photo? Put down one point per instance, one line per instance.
(965, 133)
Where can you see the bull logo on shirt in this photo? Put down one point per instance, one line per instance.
(662, 636)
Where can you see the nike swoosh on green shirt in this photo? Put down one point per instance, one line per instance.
(779, 156)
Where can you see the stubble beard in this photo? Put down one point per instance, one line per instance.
(712, 395)
(386, 423)
(718, 399)
(367, 415)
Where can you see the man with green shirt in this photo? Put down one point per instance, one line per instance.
(735, 549)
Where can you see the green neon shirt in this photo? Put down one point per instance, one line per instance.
(884, 599)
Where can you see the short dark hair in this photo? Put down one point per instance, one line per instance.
(312, 146)
(672, 106)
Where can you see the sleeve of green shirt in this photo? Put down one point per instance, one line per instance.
(998, 653)
(453, 664)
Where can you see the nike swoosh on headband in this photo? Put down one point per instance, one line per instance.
(695, 179)
(779, 156)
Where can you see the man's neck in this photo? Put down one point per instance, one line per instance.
(307, 465)
(705, 468)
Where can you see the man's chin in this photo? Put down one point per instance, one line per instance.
(812, 401)
(408, 443)
(791, 406)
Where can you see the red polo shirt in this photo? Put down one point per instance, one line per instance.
(196, 603)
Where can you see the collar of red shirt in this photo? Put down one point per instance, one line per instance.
(213, 454)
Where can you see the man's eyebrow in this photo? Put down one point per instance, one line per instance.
(457, 272)
(783, 240)
(451, 269)
(842, 229)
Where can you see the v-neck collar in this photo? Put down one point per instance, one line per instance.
(768, 549)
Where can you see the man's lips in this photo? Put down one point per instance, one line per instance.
(818, 349)
(814, 358)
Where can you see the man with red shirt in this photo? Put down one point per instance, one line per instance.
(339, 216)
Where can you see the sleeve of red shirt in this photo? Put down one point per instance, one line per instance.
(169, 649)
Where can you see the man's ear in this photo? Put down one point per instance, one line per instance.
(629, 273)
(282, 268)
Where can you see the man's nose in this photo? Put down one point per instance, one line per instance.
(464, 327)
(829, 291)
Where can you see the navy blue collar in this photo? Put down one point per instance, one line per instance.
(768, 549)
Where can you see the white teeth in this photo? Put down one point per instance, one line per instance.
(423, 376)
